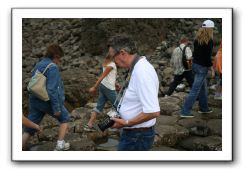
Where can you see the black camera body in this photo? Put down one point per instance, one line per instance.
(107, 122)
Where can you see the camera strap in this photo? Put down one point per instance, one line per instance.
(121, 93)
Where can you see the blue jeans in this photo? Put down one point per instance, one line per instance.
(199, 89)
(38, 109)
(105, 95)
(136, 140)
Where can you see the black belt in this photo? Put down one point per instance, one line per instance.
(138, 129)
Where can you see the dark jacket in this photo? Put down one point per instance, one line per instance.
(202, 53)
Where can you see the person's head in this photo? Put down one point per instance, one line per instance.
(108, 59)
(184, 40)
(54, 52)
(123, 50)
(205, 33)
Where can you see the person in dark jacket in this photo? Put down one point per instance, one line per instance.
(203, 47)
(55, 105)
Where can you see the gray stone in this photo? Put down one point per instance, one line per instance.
(215, 126)
(167, 108)
(170, 135)
(195, 143)
(163, 148)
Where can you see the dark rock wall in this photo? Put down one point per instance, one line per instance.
(85, 43)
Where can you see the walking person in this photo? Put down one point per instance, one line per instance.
(107, 85)
(139, 105)
(203, 47)
(55, 105)
(218, 69)
(180, 71)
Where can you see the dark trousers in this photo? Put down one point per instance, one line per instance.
(178, 79)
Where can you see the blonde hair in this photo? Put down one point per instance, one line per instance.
(108, 59)
(204, 35)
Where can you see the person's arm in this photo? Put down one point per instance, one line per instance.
(104, 74)
(142, 117)
(52, 89)
(27, 123)
(188, 53)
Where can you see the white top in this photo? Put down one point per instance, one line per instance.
(176, 59)
(110, 79)
(141, 94)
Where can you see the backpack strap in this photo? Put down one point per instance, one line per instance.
(183, 50)
(47, 67)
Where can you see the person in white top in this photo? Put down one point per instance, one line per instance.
(180, 72)
(107, 89)
(139, 106)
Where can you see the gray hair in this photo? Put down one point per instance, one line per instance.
(119, 42)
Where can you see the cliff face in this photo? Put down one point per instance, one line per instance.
(85, 44)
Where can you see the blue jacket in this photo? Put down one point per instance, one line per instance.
(55, 87)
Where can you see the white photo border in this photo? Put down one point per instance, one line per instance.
(227, 137)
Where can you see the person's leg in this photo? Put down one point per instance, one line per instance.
(136, 140)
(146, 141)
(111, 96)
(177, 80)
(25, 138)
(199, 80)
(62, 130)
(100, 105)
(203, 97)
(127, 141)
(64, 119)
(189, 77)
(35, 115)
(92, 119)
(218, 93)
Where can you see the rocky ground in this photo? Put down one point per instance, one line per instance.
(84, 43)
(201, 133)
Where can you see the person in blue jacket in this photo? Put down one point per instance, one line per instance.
(55, 105)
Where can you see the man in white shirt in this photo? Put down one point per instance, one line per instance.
(180, 72)
(139, 106)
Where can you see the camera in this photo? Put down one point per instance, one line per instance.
(107, 122)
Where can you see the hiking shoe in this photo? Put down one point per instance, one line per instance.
(186, 116)
(206, 112)
(87, 128)
(62, 147)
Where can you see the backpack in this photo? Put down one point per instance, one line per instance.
(187, 64)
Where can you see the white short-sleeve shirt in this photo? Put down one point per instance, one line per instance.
(110, 79)
(141, 94)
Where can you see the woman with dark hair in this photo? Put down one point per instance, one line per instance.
(202, 62)
(55, 105)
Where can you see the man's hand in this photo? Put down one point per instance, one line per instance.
(119, 123)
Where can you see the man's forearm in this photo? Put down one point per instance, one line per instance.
(142, 117)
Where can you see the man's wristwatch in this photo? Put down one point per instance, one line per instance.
(127, 122)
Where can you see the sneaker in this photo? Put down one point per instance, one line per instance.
(62, 147)
(207, 112)
(186, 116)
